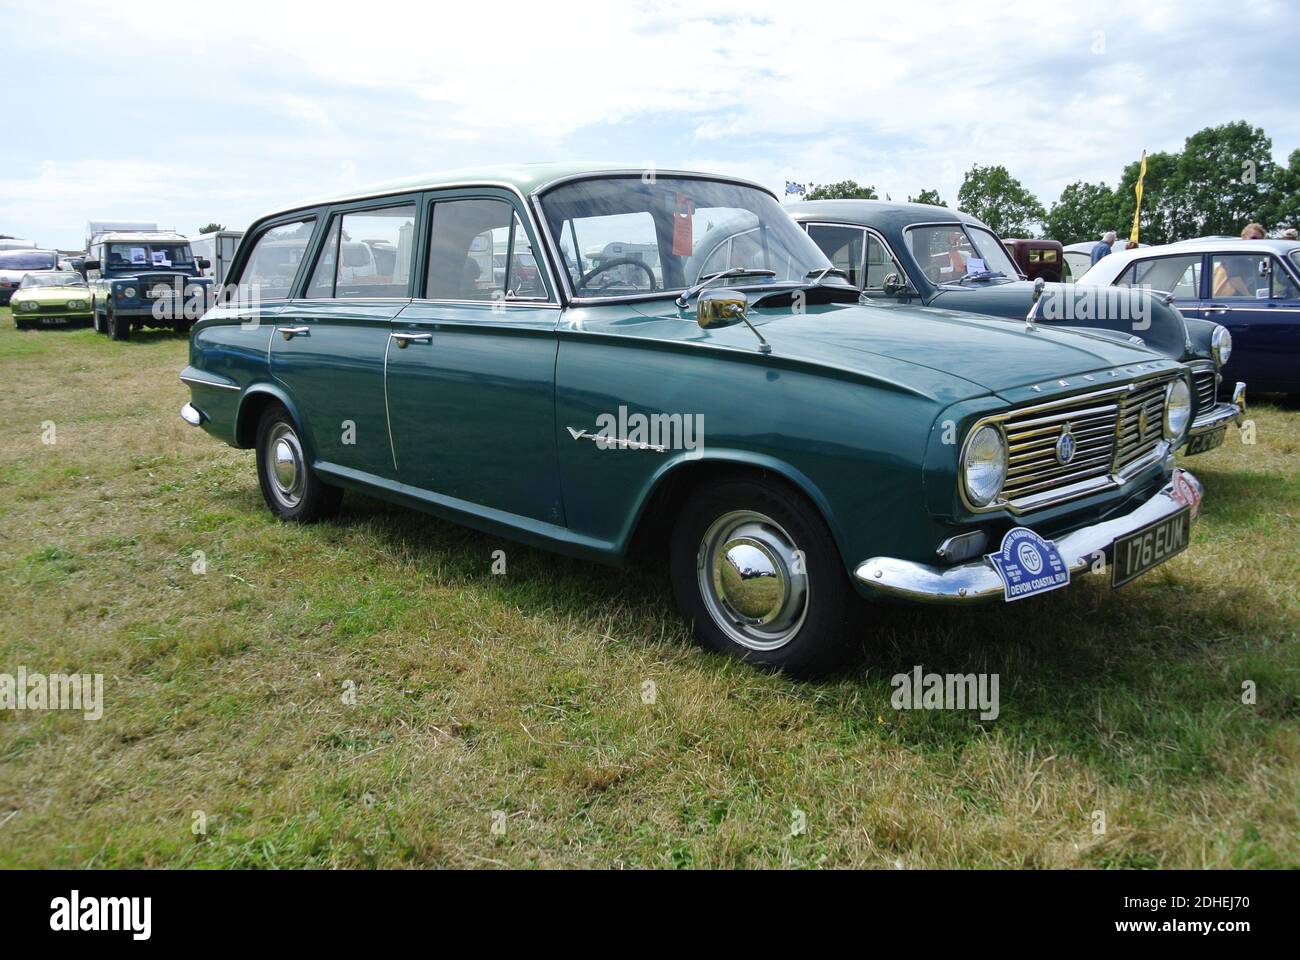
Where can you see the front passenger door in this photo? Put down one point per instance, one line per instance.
(471, 366)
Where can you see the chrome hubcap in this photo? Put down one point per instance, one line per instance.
(753, 580)
(284, 465)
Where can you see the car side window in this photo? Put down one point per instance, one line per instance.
(1284, 288)
(368, 254)
(1238, 275)
(463, 246)
(1180, 276)
(842, 246)
(880, 263)
(273, 263)
(523, 277)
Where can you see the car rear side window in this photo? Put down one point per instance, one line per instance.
(842, 246)
(1180, 276)
(377, 252)
(273, 263)
(469, 250)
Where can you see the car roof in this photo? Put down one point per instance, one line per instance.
(144, 236)
(526, 178)
(884, 214)
(1268, 245)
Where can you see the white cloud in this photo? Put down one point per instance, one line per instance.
(903, 97)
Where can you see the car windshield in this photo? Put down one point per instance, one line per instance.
(63, 278)
(633, 236)
(130, 255)
(948, 252)
(28, 260)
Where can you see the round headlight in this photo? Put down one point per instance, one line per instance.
(984, 465)
(1221, 345)
(76, 304)
(1178, 409)
(129, 293)
(31, 305)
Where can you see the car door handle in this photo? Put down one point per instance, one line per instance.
(290, 332)
(406, 338)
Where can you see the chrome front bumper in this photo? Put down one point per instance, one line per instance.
(1221, 414)
(978, 580)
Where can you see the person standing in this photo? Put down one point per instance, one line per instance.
(1103, 246)
(1253, 231)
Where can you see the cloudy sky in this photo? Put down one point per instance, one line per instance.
(186, 113)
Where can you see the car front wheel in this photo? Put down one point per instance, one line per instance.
(756, 571)
(119, 327)
(291, 488)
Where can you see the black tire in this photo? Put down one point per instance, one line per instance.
(305, 499)
(119, 327)
(809, 607)
(97, 319)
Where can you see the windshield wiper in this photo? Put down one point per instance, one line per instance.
(684, 298)
(983, 275)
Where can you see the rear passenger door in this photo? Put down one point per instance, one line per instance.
(330, 340)
(471, 363)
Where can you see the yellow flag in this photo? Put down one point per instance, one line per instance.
(1137, 192)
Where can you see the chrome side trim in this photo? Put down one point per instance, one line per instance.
(202, 382)
(388, 417)
(978, 580)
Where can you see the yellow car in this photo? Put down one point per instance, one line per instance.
(51, 299)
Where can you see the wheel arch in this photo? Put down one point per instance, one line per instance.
(668, 488)
(255, 400)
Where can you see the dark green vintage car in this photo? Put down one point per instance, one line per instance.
(551, 354)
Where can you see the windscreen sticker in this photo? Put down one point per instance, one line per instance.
(138, 255)
(160, 259)
(1028, 565)
(683, 214)
(975, 265)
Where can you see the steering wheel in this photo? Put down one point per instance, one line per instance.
(586, 277)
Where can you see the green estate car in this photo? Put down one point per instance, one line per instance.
(51, 299)
(551, 355)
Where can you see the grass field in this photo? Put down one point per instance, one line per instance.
(500, 720)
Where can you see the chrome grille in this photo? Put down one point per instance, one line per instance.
(1204, 383)
(1032, 463)
(1141, 423)
(1115, 431)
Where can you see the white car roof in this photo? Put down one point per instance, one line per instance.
(1105, 270)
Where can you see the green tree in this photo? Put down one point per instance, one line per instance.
(843, 190)
(212, 228)
(928, 196)
(1224, 177)
(1284, 206)
(1000, 200)
(1084, 212)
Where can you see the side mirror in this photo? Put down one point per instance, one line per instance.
(894, 285)
(720, 308)
(1039, 284)
(726, 308)
(90, 265)
(1265, 267)
(203, 262)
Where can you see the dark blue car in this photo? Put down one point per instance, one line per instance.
(1252, 287)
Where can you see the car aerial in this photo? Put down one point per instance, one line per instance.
(144, 278)
(795, 448)
(1251, 287)
(51, 299)
(945, 258)
(16, 264)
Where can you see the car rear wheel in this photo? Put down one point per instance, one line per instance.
(291, 488)
(756, 571)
